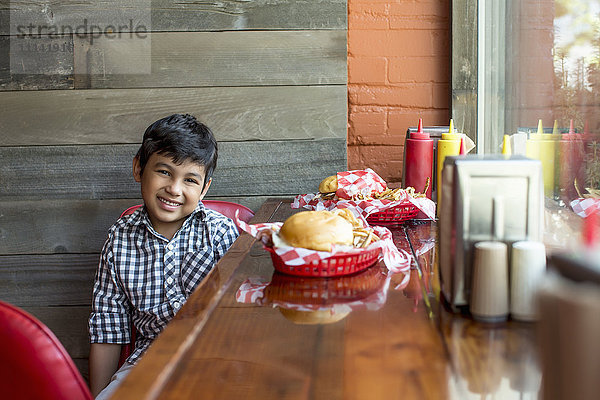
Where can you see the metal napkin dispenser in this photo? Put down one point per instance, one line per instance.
(484, 197)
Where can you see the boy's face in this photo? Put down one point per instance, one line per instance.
(170, 191)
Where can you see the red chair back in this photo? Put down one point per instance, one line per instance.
(228, 209)
(34, 364)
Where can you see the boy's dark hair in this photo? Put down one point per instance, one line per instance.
(181, 137)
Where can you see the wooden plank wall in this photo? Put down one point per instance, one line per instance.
(269, 77)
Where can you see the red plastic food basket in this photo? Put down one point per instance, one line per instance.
(336, 265)
(394, 216)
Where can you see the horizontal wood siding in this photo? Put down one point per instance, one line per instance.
(182, 59)
(67, 279)
(74, 117)
(268, 77)
(185, 15)
(251, 168)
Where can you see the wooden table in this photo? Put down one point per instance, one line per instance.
(397, 341)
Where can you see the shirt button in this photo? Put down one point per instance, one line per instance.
(169, 280)
(176, 304)
(170, 247)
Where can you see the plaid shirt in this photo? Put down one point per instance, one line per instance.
(144, 278)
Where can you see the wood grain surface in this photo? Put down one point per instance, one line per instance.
(82, 117)
(176, 60)
(195, 59)
(104, 171)
(183, 15)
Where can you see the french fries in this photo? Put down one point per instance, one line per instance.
(348, 216)
(362, 236)
(393, 194)
(388, 194)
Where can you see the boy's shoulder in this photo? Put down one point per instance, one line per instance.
(128, 222)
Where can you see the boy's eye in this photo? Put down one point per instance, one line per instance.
(191, 180)
(163, 172)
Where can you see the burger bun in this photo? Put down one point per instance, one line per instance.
(316, 230)
(329, 184)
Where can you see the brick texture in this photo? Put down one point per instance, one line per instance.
(398, 72)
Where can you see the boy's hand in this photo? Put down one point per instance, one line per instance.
(265, 236)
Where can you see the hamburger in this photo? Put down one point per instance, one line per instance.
(328, 185)
(317, 230)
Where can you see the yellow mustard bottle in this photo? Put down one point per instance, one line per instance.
(448, 145)
(542, 146)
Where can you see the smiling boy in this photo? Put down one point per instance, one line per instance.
(154, 258)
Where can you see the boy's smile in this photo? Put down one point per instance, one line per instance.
(170, 191)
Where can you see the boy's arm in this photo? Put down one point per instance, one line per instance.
(108, 323)
(225, 235)
(103, 363)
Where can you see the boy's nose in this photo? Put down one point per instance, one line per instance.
(174, 188)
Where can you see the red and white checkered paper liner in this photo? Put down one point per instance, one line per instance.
(585, 207)
(395, 260)
(252, 291)
(365, 182)
(361, 181)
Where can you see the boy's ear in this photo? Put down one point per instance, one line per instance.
(206, 188)
(137, 169)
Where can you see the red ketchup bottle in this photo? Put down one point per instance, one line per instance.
(571, 152)
(418, 164)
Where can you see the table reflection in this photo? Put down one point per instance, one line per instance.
(496, 360)
(313, 300)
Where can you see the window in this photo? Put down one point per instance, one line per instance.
(518, 62)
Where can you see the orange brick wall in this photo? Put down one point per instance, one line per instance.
(398, 72)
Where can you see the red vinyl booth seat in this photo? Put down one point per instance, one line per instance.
(226, 208)
(34, 364)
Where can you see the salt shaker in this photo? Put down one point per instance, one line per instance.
(528, 265)
(489, 289)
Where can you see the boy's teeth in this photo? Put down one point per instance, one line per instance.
(169, 202)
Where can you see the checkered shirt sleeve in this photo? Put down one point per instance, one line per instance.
(109, 322)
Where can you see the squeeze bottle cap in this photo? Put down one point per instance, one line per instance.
(540, 135)
(419, 134)
(571, 127)
(586, 131)
(506, 149)
(451, 135)
(555, 131)
(571, 134)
